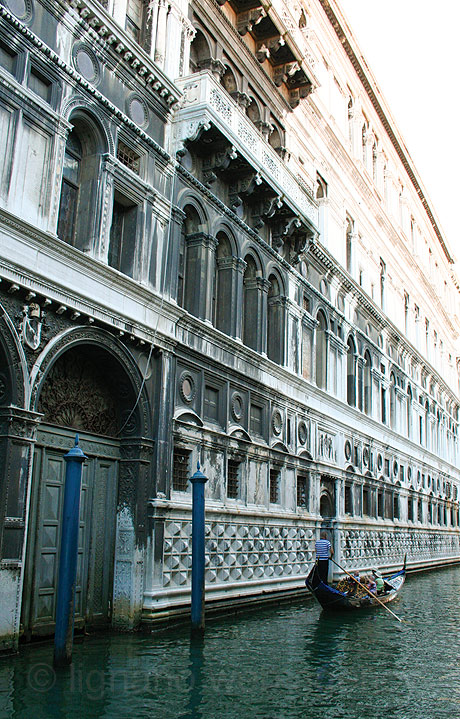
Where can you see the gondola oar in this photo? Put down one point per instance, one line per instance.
(366, 589)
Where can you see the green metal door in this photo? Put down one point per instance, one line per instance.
(96, 531)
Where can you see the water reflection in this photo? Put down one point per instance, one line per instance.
(293, 662)
(196, 679)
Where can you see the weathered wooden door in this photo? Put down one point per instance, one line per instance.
(96, 532)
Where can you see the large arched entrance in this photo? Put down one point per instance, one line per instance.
(85, 389)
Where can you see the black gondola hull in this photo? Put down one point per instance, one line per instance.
(332, 599)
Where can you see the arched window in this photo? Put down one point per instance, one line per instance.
(275, 323)
(367, 384)
(253, 112)
(275, 139)
(251, 297)
(222, 298)
(351, 373)
(392, 401)
(79, 215)
(200, 52)
(321, 351)
(71, 176)
(409, 411)
(187, 270)
(228, 81)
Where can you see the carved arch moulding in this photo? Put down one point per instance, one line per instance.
(102, 340)
(94, 111)
(15, 378)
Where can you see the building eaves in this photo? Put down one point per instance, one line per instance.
(372, 93)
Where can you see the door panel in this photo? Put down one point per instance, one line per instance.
(96, 538)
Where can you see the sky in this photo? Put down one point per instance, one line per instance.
(413, 50)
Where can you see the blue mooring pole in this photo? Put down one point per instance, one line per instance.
(198, 481)
(65, 606)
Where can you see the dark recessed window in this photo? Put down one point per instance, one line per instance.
(366, 502)
(40, 85)
(348, 500)
(275, 486)
(128, 157)
(122, 243)
(7, 58)
(211, 403)
(70, 189)
(181, 469)
(256, 424)
(302, 491)
(233, 478)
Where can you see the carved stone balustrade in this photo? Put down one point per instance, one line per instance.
(207, 104)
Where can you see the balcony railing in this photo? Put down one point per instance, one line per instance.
(206, 102)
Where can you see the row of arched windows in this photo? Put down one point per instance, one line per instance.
(215, 285)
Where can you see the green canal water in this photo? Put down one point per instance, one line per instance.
(287, 662)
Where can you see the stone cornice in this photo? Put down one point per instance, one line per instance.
(54, 58)
(373, 94)
(102, 26)
(85, 265)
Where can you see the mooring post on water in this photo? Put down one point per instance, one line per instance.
(65, 607)
(198, 481)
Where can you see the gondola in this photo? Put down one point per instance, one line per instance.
(337, 598)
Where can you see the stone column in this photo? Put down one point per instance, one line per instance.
(355, 120)
(164, 403)
(188, 33)
(62, 132)
(160, 39)
(131, 532)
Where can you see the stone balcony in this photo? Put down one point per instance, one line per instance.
(206, 104)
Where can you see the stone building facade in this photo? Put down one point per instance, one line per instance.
(214, 247)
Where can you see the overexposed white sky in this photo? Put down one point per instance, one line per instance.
(413, 50)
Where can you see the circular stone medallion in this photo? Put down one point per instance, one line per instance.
(137, 110)
(237, 407)
(187, 387)
(22, 9)
(86, 63)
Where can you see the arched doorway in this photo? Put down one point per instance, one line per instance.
(326, 508)
(86, 389)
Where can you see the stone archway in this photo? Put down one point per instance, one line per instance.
(87, 387)
(326, 509)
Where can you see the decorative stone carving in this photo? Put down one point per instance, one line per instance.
(31, 326)
(326, 449)
(237, 552)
